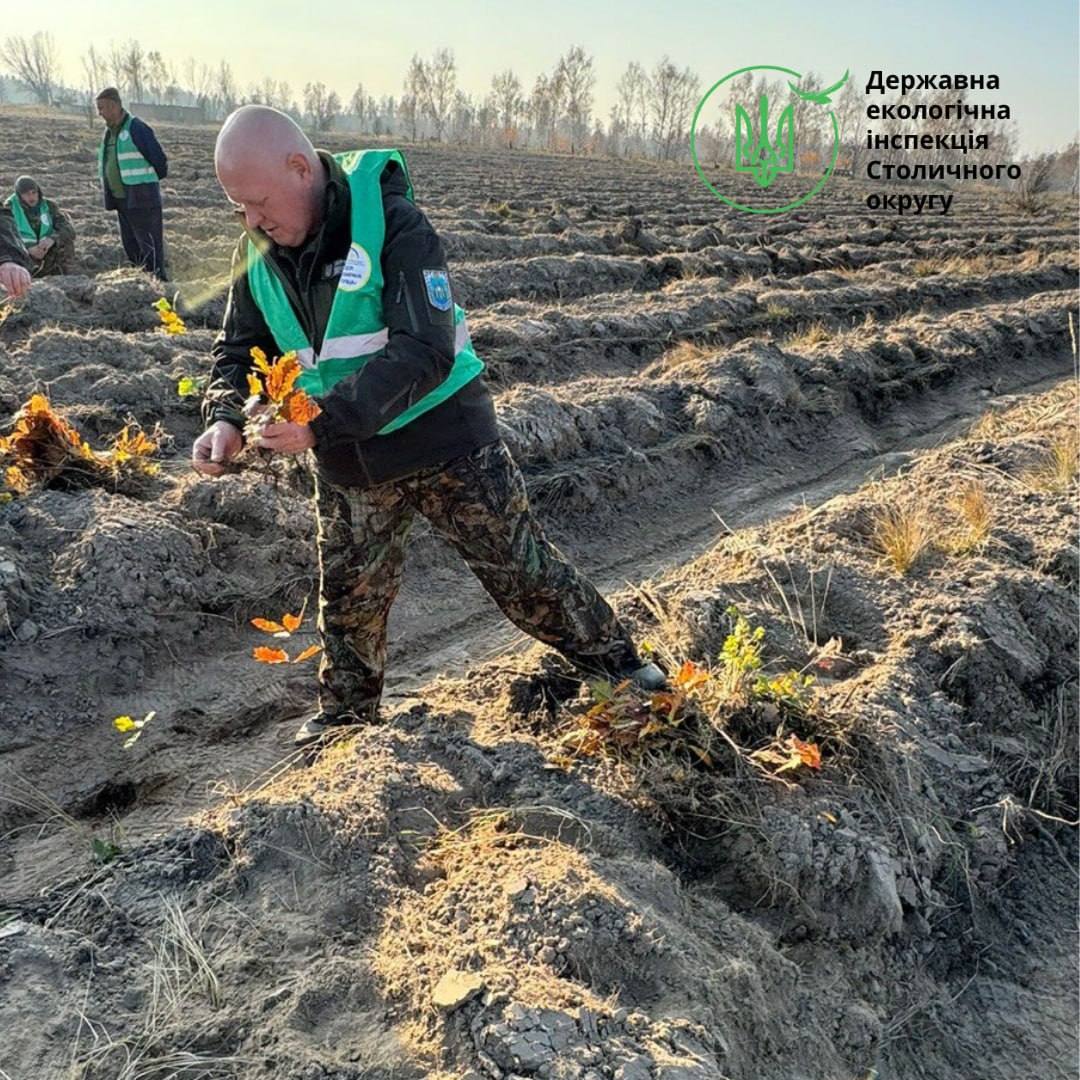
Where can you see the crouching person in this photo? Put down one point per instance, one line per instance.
(45, 230)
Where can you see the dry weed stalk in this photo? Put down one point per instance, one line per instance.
(181, 965)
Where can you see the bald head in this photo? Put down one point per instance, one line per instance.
(268, 166)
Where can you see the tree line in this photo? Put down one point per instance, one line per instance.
(651, 117)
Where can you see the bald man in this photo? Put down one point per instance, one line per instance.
(337, 263)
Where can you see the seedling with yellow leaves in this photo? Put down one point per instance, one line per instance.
(171, 323)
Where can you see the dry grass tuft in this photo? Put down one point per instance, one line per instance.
(777, 312)
(961, 266)
(902, 532)
(972, 507)
(814, 334)
(684, 352)
(1057, 468)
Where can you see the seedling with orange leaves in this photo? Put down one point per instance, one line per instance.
(275, 397)
(44, 449)
(693, 713)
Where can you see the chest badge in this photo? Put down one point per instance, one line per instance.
(357, 269)
(437, 283)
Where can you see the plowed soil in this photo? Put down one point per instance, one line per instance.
(710, 408)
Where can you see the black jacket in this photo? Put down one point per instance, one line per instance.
(418, 355)
(12, 248)
(140, 196)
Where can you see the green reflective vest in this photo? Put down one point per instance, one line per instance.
(355, 330)
(134, 168)
(26, 230)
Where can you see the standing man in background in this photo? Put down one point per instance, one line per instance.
(45, 230)
(131, 163)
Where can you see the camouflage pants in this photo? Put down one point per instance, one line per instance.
(59, 259)
(477, 503)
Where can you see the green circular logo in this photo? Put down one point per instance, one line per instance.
(759, 159)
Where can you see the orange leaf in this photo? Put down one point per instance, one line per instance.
(690, 676)
(809, 753)
(281, 376)
(307, 654)
(268, 625)
(300, 409)
(270, 656)
(290, 622)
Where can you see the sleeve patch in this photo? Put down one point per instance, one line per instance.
(437, 283)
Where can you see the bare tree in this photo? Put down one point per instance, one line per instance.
(32, 60)
(577, 78)
(128, 64)
(507, 103)
(849, 108)
(437, 87)
(321, 106)
(358, 104)
(157, 75)
(93, 66)
(546, 106)
(632, 108)
(1032, 187)
(200, 80)
(414, 89)
(462, 118)
(672, 96)
(226, 88)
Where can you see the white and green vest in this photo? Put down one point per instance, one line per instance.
(26, 230)
(134, 168)
(355, 330)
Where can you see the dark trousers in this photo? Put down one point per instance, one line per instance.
(479, 504)
(142, 236)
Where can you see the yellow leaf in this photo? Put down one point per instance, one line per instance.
(124, 723)
(255, 386)
(260, 359)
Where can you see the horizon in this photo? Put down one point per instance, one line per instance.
(922, 39)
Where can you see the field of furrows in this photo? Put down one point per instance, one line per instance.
(711, 408)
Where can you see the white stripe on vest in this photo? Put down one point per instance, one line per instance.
(362, 344)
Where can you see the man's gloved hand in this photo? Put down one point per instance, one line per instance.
(216, 447)
(14, 280)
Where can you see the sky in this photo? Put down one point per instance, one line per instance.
(1031, 46)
